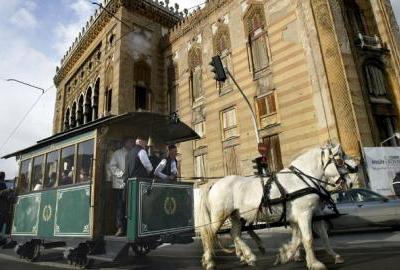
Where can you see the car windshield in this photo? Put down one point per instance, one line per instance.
(366, 196)
(341, 197)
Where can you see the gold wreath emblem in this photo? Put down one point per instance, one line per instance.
(170, 206)
(47, 213)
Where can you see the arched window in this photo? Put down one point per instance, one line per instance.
(95, 100)
(221, 40)
(108, 93)
(79, 112)
(195, 79)
(67, 119)
(87, 109)
(254, 21)
(142, 79)
(72, 122)
(222, 47)
(172, 86)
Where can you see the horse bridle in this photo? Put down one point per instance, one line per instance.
(339, 162)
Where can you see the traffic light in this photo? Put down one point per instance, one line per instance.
(218, 69)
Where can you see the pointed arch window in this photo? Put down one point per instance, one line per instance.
(222, 47)
(79, 112)
(196, 77)
(254, 20)
(87, 108)
(67, 120)
(72, 122)
(172, 75)
(108, 94)
(142, 79)
(95, 100)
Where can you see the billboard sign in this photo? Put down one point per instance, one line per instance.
(382, 165)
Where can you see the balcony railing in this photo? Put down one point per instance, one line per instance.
(369, 42)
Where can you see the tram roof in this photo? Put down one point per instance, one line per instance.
(155, 125)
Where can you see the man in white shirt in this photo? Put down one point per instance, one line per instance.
(138, 164)
(116, 168)
(167, 170)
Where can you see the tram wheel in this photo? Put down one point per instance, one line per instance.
(34, 253)
(141, 250)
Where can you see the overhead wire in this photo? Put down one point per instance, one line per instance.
(27, 113)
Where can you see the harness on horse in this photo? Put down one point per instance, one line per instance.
(267, 202)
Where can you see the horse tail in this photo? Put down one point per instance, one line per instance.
(204, 218)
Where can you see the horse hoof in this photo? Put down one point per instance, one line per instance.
(251, 263)
(277, 261)
(339, 259)
(317, 266)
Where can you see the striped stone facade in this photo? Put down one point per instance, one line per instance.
(308, 81)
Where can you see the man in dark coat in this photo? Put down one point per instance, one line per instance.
(167, 170)
(138, 164)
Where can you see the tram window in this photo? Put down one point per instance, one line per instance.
(37, 173)
(50, 179)
(84, 163)
(67, 166)
(24, 177)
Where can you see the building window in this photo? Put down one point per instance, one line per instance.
(195, 78)
(222, 47)
(108, 100)
(229, 124)
(257, 37)
(87, 109)
(95, 100)
(266, 105)
(85, 161)
(230, 161)
(355, 17)
(37, 173)
(200, 165)
(382, 108)
(172, 87)
(51, 175)
(79, 112)
(200, 129)
(142, 79)
(274, 157)
(142, 101)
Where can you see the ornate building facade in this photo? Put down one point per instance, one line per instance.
(313, 70)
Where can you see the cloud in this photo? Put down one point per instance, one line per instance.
(23, 18)
(67, 32)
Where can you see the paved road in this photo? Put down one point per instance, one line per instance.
(371, 250)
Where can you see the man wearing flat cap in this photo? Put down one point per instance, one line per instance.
(167, 170)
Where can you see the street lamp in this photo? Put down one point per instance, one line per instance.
(396, 134)
(27, 84)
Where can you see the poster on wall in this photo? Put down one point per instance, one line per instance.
(382, 165)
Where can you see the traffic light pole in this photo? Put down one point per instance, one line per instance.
(253, 115)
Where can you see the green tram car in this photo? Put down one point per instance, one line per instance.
(65, 198)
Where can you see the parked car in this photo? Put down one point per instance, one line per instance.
(362, 208)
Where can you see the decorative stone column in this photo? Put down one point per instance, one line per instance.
(337, 81)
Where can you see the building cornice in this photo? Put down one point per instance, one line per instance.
(195, 19)
(164, 15)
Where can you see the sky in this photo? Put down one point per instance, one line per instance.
(34, 35)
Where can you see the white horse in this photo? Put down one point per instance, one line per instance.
(251, 198)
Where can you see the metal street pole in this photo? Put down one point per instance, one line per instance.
(27, 84)
(253, 115)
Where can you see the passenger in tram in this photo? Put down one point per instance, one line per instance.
(52, 180)
(138, 164)
(83, 175)
(66, 178)
(167, 170)
(116, 168)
